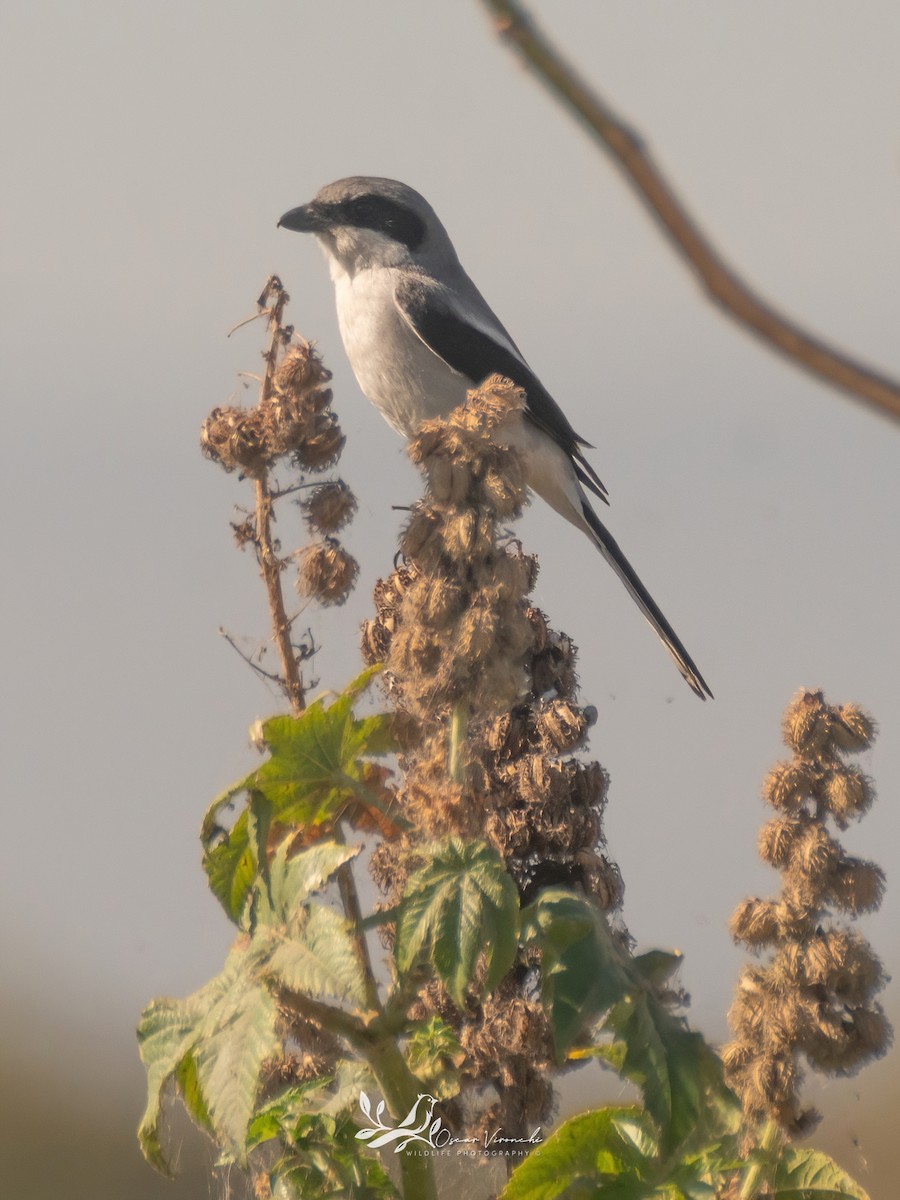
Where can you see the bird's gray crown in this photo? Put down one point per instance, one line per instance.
(384, 206)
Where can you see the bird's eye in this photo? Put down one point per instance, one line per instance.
(386, 216)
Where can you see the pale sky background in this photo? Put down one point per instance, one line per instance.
(148, 152)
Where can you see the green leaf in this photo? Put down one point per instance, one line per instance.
(606, 1152)
(165, 1034)
(679, 1075)
(811, 1175)
(317, 956)
(294, 879)
(327, 1161)
(461, 904)
(230, 866)
(237, 1035)
(434, 1056)
(188, 1082)
(583, 972)
(318, 759)
(278, 1116)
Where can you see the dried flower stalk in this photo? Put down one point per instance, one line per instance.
(815, 997)
(485, 697)
(291, 420)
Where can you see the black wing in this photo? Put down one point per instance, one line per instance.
(473, 352)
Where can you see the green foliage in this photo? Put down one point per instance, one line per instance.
(213, 1044)
(318, 770)
(435, 1056)
(616, 1153)
(325, 1160)
(588, 975)
(459, 920)
(462, 903)
(582, 971)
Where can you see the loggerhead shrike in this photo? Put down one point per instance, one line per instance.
(419, 335)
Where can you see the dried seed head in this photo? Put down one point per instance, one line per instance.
(497, 405)
(854, 728)
(329, 507)
(288, 423)
(778, 837)
(236, 438)
(300, 370)
(327, 572)
(815, 854)
(561, 725)
(755, 922)
(504, 492)
(857, 886)
(322, 447)
(848, 793)
(422, 540)
(807, 723)
(449, 481)
(788, 785)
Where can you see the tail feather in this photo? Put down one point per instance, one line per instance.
(609, 548)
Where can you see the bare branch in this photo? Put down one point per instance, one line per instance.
(721, 283)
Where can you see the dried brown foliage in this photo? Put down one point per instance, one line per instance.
(814, 998)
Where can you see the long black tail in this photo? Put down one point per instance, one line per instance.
(609, 548)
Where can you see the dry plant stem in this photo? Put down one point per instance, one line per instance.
(270, 570)
(724, 287)
(269, 563)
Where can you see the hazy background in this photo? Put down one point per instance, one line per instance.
(148, 151)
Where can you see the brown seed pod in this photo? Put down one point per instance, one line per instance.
(322, 447)
(854, 728)
(857, 886)
(300, 370)
(778, 837)
(236, 438)
(422, 540)
(329, 507)
(326, 572)
(788, 785)
(449, 480)
(374, 642)
(755, 922)
(807, 723)
(848, 793)
(815, 854)
(560, 725)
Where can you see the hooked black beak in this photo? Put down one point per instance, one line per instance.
(304, 219)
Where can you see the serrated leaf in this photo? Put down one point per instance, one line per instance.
(230, 866)
(317, 956)
(461, 904)
(587, 1155)
(679, 1075)
(812, 1175)
(165, 1035)
(188, 1082)
(317, 759)
(294, 879)
(582, 971)
(235, 1038)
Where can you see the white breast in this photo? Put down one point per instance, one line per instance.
(394, 368)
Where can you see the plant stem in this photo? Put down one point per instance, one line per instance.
(459, 723)
(401, 1090)
(721, 282)
(270, 565)
(270, 570)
